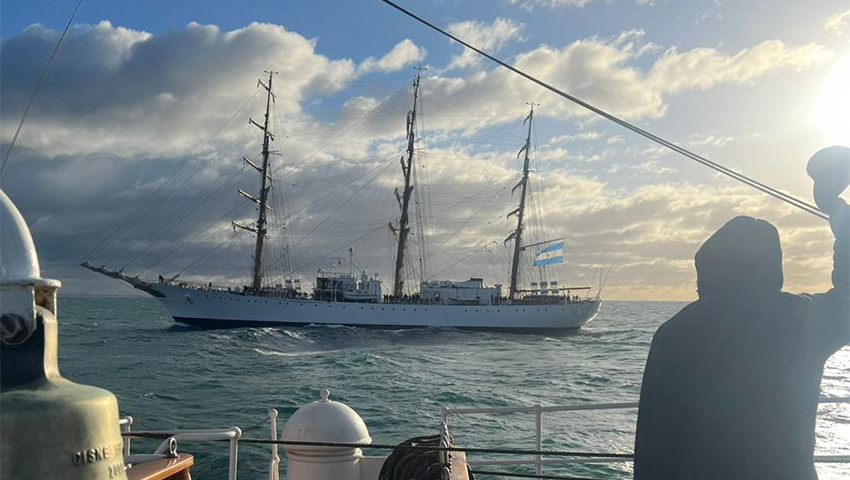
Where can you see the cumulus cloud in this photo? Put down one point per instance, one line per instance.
(838, 22)
(602, 72)
(578, 136)
(702, 68)
(710, 140)
(126, 92)
(651, 233)
(122, 110)
(405, 53)
(488, 37)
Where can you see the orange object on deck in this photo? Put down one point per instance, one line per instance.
(165, 469)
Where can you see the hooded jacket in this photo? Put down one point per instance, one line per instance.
(732, 382)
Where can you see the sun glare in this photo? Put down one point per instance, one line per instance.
(832, 114)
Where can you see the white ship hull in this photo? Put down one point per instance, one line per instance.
(217, 309)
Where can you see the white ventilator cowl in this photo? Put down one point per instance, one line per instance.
(325, 421)
(18, 259)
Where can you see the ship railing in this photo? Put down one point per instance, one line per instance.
(537, 410)
(126, 424)
(232, 435)
(206, 287)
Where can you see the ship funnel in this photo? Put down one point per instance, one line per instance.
(52, 428)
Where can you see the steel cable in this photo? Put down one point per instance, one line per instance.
(807, 207)
(37, 86)
(384, 446)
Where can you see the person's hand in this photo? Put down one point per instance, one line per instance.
(830, 169)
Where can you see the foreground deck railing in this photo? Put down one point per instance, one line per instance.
(538, 410)
(232, 435)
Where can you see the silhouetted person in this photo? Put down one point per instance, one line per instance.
(732, 382)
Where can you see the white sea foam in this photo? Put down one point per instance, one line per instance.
(273, 353)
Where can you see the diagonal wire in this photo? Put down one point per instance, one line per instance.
(208, 254)
(37, 86)
(805, 206)
(185, 242)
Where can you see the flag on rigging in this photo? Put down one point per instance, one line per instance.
(551, 255)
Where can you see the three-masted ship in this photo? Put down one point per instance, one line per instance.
(346, 296)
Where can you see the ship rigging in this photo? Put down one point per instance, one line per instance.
(262, 203)
(429, 301)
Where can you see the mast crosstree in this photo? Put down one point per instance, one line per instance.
(404, 198)
(265, 186)
(516, 235)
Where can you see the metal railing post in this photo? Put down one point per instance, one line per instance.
(538, 438)
(274, 464)
(126, 425)
(234, 452)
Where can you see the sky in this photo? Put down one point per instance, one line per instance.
(131, 155)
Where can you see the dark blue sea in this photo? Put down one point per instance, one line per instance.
(170, 376)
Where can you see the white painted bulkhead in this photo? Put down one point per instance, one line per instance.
(218, 308)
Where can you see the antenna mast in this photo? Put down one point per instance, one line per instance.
(516, 235)
(404, 198)
(265, 186)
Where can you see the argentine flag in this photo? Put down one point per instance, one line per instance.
(551, 255)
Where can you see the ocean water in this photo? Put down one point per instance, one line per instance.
(170, 376)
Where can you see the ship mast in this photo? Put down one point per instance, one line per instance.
(516, 235)
(404, 198)
(265, 186)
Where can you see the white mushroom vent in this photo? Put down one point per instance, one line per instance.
(325, 421)
(18, 259)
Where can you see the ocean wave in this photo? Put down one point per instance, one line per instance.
(397, 380)
(273, 353)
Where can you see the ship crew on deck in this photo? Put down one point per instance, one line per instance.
(732, 382)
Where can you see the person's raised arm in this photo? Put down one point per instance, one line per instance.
(830, 170)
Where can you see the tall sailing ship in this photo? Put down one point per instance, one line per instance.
(347, 295)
